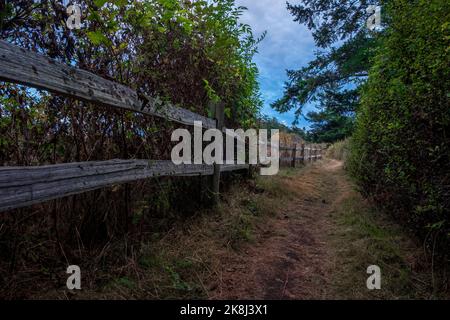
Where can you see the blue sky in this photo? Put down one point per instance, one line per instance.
(288, 45)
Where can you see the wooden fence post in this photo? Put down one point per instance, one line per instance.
(218, 111)
(310, 153)
(294, 155)
(29, 185)
(302, 153)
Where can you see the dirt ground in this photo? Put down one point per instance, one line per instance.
(320, 245)
(293, 259)
(304, 234)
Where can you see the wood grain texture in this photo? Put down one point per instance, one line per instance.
(26, 67)
(24, 186)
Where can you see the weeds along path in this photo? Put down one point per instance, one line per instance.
(293, 258)
(319, 242)
(304, 234)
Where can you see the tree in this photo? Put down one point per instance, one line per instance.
(186, 52)
(269, 123)
(334, 77)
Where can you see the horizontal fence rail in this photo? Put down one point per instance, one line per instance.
(289, 154)
(26, 67)
(24, 186)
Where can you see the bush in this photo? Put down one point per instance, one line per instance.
(185, 52)
(401, 148)
(339, 150)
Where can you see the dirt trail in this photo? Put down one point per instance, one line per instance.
(293, 259)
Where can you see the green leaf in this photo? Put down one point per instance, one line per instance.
(97, 37)
(120, 3)
(227, 112)
(100, 3)
(93, 16)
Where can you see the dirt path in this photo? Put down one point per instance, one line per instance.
(293, 258)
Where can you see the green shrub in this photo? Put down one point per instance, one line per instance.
(339, 150)
(401, 147)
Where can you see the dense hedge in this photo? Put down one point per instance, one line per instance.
(401, 147)
(186, 52)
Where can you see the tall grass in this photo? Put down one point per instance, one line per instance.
(339, 150)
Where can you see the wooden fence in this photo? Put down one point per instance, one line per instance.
(301, 153)
(24, 186)
(291, 155)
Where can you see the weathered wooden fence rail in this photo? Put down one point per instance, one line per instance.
(24, 186)
(299, 154)
(25, 67)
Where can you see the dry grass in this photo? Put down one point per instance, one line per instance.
(363, 237)
(303, 234)
(185, 262)
(339, 150)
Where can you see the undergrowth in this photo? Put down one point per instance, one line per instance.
(180, 257)
(372, 238)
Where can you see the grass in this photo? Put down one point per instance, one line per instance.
(186, 259)
(366, 237)
(186, 262)
(339, 150)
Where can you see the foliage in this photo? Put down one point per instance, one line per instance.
(339, 150)
(269, 123)
(198, 52)
(329, 126)
(182, 51)
(188, 53)
(332, 80)
(401, 147)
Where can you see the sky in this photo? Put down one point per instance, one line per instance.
(288, 45)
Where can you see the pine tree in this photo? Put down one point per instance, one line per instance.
(332, 80)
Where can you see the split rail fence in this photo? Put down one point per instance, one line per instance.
(24, 186)
(292, 155)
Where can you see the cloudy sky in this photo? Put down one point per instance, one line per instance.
(288, 45)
